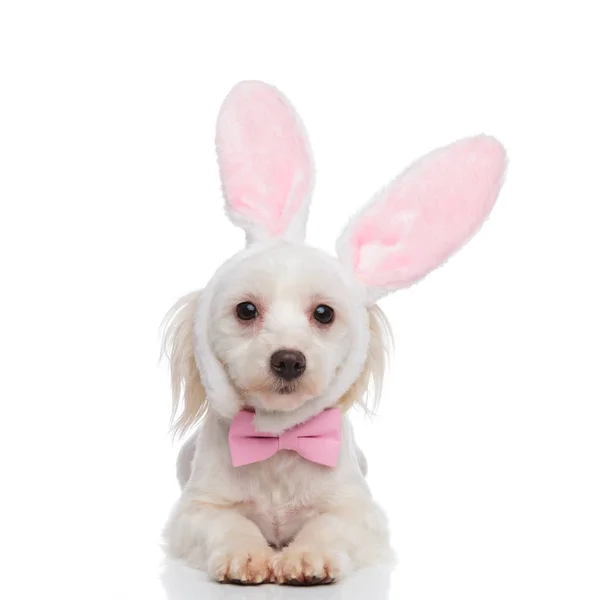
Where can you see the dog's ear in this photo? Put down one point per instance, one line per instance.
(265, 163)
(188, 394)
(424, 215)
(366, 391)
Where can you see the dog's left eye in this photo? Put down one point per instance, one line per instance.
(324, 314)
(246, 311)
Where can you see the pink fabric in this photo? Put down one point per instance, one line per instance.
(316, 440)
(264, 157)
(427, 213)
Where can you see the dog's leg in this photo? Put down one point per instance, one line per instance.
(362, 461)
(332, 545)
(184, 461)
(220, 540)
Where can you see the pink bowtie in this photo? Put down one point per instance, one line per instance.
(316, 440)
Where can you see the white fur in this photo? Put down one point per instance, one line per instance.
(284, 517)
(248, 522)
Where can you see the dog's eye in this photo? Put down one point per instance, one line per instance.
(323, 314)
(246, 311)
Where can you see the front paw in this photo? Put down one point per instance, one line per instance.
(243, 565)
(305, 566)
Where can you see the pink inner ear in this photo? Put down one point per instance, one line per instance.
(264, 158)
(427, 213)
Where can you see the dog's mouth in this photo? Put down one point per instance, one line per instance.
(285, 390)
(280, 387)
(278, 394)
(283, 387)
(275, 393)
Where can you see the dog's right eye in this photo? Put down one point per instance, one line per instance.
(246, 311)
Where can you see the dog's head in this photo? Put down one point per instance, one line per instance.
(286, 329)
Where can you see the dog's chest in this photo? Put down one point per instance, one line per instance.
(283, 496)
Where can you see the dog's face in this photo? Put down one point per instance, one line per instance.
(282, 322)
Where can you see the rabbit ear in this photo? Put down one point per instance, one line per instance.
(422, 217)
(265, 163)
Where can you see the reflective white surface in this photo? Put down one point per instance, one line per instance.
(181, 583)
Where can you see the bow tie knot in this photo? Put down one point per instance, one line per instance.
(288, 440)
(316, 440)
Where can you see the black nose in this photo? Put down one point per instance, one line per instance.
(288, 364)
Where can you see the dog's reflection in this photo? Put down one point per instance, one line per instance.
(182, 583)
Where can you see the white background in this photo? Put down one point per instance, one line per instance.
(487, 451)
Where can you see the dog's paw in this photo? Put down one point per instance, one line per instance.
(243, 566)
(305, 566)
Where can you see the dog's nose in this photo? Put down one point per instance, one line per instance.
(288, 364)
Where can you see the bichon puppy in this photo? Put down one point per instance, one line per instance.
(267, 359)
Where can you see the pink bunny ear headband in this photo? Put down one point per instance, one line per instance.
(409, 228)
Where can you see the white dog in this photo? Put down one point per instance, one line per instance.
(284, 339)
